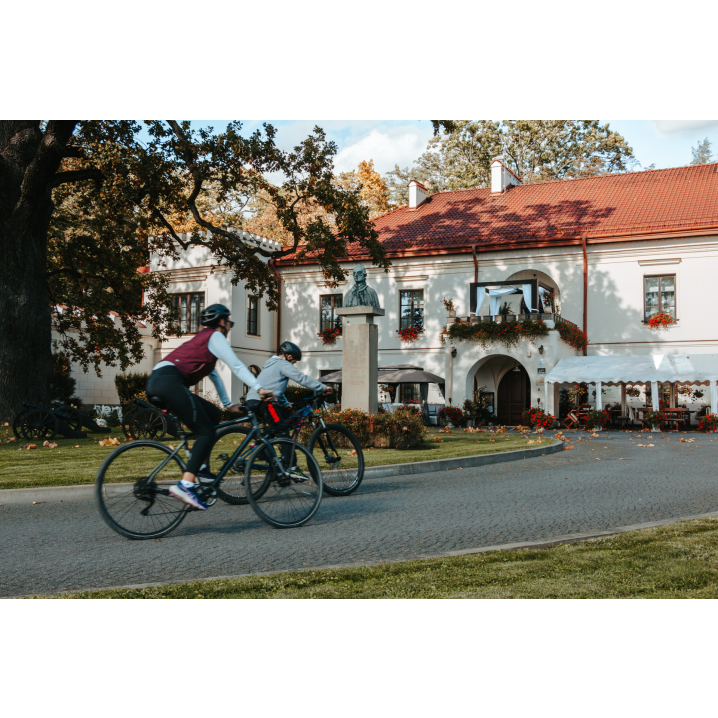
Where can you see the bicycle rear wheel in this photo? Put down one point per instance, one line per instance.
(289, 500)
(232, 488)
(131, 503)
(340, 458)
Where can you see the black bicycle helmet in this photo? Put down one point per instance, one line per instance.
(212, 314)
(291, 350)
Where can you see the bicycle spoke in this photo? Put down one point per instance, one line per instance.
(122, 508)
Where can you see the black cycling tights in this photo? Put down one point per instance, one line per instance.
(199, 414)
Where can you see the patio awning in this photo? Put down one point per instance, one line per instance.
(612, 370)
(395, 374)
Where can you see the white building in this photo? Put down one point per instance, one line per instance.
(639, 243)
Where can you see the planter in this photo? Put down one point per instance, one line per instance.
(452, 313)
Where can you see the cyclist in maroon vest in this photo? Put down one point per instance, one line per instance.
(184, 367)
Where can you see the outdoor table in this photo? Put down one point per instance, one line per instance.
(677, 416)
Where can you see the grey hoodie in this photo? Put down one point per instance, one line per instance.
(275, 376)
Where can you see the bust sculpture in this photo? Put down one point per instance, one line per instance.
(360, 295)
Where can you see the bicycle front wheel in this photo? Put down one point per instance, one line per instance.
(231, 489)
(291, 498)
(340, 458)
(131, 501)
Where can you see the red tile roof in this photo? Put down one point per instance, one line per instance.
(682, 198)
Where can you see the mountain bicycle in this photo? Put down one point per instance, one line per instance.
(282, 481)
(335, 448)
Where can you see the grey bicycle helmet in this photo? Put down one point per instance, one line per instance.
(212, 314)
(291, 350)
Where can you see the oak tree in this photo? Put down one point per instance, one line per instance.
(83, 204)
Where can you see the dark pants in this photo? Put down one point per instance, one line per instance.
(282, 430)
(200, 415)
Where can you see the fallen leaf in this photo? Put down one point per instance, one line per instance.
(77, 446)
(35, 503)
(351, 453)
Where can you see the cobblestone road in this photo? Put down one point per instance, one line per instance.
(54, 547)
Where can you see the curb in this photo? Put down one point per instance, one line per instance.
(537, 545)
(463, 462)
(86, 492)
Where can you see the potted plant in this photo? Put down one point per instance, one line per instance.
(661, 321)
(596, 419)
(653, 420)
(408, 335)
(450, 306)
(329, 336)
(708, 424)
(451, 415)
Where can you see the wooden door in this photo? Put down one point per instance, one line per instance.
(513, 397)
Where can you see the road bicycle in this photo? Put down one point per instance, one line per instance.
(281, 480)
(335, 448)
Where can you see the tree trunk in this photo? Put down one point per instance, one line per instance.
(28, 160)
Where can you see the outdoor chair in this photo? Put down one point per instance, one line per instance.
(434, 414)
(571, 420)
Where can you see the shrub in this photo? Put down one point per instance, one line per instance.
(297, 393)
(131, 385)
(652, 418)
(538, 418)
(708, 423)
(452, 414)
(596, 419)
(62, 385)
(404, 428)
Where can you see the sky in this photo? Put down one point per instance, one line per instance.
(667, 143)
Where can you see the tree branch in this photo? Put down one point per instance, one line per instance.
(189, 158)
(76, 176)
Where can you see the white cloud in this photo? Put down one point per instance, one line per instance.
(394, 147)
(671, 126)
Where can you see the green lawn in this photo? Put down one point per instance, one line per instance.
(67, 465)
(676, 561)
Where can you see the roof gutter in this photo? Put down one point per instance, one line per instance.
(585, 291)
(279, 303)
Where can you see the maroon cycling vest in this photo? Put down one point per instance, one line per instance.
(194, 359)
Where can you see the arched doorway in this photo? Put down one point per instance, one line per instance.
(514, 396)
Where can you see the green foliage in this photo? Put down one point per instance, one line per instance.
(131, 385)
(708, 423)
(297, 393)
(702, 153)
(564, 403)
(452, 415)
(572, 335)
(62, 385)
(538, 418)
(404, 427)
(100, 197)
(507, 333)
(596, 419)
(535, 150)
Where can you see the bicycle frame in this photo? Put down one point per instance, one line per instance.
(254, 435)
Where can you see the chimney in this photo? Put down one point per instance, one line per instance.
(501, 176)
(417, 194)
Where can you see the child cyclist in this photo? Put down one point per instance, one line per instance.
(275, 376)
(184, 367)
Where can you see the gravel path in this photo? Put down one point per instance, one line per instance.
(65, 546)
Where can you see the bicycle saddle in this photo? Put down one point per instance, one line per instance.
(159, 403)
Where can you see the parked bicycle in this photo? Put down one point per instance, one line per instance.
(281, 480)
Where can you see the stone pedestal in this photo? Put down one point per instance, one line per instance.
(360, 358)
